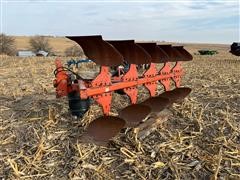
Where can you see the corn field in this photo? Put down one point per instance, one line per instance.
(40, 140)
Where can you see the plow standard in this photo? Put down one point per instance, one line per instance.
(125, 57)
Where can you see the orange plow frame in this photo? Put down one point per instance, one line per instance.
(101, 87)
(115, 54)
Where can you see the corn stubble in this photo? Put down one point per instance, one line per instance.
(39, 140)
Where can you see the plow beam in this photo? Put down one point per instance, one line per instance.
(85, 93)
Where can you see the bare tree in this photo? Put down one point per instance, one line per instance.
(7, 45)
(40, 43)
(74, 51)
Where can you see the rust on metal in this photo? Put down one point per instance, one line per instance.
(186, 55)
(183, 91)
(157, 54)
(172, 53)
(98, 50)
(176, 95)
(134, 114)
(131, 52)
(157, 104)
(102, 129)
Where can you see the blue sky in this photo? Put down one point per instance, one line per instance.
(210, 21)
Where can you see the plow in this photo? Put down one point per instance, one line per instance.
(120, 62)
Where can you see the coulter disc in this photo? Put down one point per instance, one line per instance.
(134, 114)
(157, 104)
(176, 95)
(102, 129)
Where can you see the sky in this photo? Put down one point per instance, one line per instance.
(201, 21)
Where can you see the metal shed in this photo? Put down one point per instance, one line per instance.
(25, 53)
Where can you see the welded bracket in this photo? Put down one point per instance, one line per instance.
(178, 73)
(103, 80)
(151, 86)
(166, 70)
(131, 75)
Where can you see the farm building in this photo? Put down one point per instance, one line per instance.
(25, 53)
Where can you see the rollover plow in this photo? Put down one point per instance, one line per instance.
(130, 55)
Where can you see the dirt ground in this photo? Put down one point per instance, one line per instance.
(40, 140)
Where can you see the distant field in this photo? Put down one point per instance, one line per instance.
(59, 45)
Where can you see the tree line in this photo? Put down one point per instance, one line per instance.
(37, 43)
